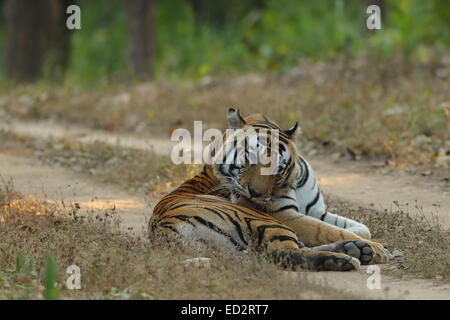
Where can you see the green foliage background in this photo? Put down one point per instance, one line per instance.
(234, 36)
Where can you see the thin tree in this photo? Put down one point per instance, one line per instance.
(141, 27)
(25, 39)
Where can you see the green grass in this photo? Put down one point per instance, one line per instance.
(50, 271)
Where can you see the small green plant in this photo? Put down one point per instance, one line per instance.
(51, 292)
(24, 265)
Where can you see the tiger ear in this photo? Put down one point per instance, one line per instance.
(235, 121)
(291, 132)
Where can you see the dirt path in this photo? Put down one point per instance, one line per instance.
(58, 184)
(358, 183)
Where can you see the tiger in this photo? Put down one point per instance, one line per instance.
(232, 206)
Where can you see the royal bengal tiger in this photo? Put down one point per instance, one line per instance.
(231, 204)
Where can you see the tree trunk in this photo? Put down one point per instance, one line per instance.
(141, 37)
(25, 35)
(36, 30)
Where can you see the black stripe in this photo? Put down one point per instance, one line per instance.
(238, 229)
(291, 206)
(171, 228)
(270, 125)
(285, 197)
(189, 188)
(195, 182)
(312, 203)
(221, 168)
(262, 230)
(165, 223)
(207, 180)
(283, 137)
(249, 224)
(212, 226)
(305, 174)
(282, 238)
(237, 216)
(205, 172)
(215, 212)
(183, 218)
(291, 167)
(322, 217)
(178, 206)
(266, 125)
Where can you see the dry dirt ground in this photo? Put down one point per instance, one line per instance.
(353, 182)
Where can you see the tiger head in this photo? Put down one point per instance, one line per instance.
(257, 161)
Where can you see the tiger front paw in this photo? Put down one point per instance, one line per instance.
(366, 251)
(315, 261)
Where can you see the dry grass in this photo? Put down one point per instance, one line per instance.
(399, 112)
(116, 266)
(422, 245)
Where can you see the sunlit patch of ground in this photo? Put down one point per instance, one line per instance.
(351, 177)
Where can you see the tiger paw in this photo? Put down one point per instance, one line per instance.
(316, 261)
(380, 254)
(334, 262)
(366, 251)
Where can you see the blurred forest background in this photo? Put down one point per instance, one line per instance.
(127, 39)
